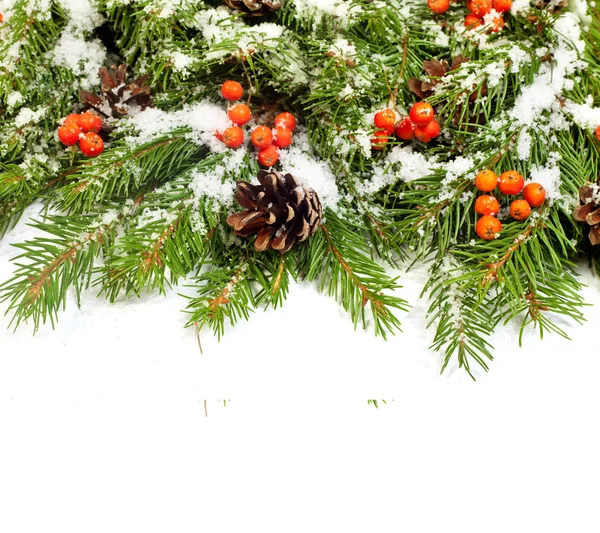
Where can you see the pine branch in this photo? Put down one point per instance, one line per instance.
(39, 287)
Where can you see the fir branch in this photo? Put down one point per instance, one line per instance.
(39, 287)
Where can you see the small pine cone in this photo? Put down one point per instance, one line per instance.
(117, 95)
(588, 211)
(280, 210)
(253, 8)
(553, 6)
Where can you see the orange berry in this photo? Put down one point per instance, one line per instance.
(486, 181)
(487, 205)
(473, 21)
(286, 120)
(232, 90)
(282, 137)
(421, 114)
(268, 156)
(597, 134)
(385, 119)
(405, 129)
(430, 131)
(91, 144)
(520, 209)
(511, 182)
(497, 24)
(438, 6)
(1, 17)
(502, 6)
(488, 227)
(479, 7)
(89, 121)
(239, 114)
(534, 194)
(233, 137)
(73, 118)
(261, 137)
(69, 134)
(379, 140)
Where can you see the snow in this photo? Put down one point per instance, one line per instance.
(218, 25)
(181, 62)
(549, 178)
(27, 116)
(109, 407)
(310, 171)
(14, 98)
(74, 50)
(342, 10)
(204, 119)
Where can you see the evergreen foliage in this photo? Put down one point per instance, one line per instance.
(134, 219)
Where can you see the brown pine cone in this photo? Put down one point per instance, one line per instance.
(280, 210)
(116, 95)
(254, 8)
(588, 211)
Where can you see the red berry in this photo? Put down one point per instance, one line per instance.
(421, 114)
(438, 6)
(520, 209)
(69, 134)
(497, 24)
(479, 7)
(1, 17)
(430, 131)
(486, 181)
(502, 6)
(239, 114)
(379, 140)
(286, 120)
(488, 227)
(231, 90)
(261, 137)
(385, 119)
(486, 205)
(90, 122)
(534, 194)
(73, 118)
(282, 137)
(597, 134)
(91, 144)
(268, 156)
(473, 21)
(405, 129)
(511, 182)
(233, 137)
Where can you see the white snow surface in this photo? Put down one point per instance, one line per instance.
(107, 410)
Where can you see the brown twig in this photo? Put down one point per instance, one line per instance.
(367, 295)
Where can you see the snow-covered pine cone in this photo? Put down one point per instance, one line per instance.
(254, 8)
(280, 210)
(588, 211)
(117, 96)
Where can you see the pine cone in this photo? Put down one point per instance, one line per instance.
(117, 95)
(281, 210)
(254, 8)
(436, 70)
(588, 211)
(554, 6)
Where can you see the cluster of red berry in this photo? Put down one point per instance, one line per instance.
(266, 140)
(597, 133)
(419, 123)
(1, 17)
(83, 129)
(509, 183)
(478, 9)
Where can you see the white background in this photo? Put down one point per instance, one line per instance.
(103, 428)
